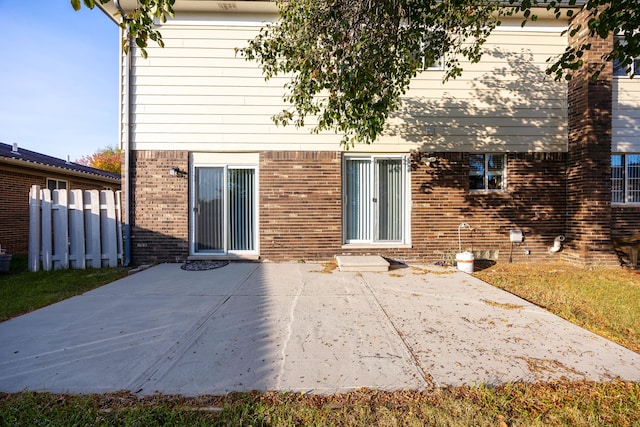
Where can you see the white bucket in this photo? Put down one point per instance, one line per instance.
(464, 260)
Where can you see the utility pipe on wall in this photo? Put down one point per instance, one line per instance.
(125, 135)
(460, 227)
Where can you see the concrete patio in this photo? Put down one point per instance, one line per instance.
(297, 327)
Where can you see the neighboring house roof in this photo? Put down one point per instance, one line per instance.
(27, 158)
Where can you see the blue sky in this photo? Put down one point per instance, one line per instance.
(59, 74)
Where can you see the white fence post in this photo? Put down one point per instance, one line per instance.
(108, 228)
(76, 230)
(92, 227)
(34, 228)
(46, 244)
(119, 226)
(60, 230)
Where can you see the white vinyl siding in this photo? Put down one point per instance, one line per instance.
(197, 94)
(504, 103)
(625, 130)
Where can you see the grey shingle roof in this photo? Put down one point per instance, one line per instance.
(34, 159)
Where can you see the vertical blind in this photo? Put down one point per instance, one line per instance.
(224, 218)
(390, 200)
(209, 210)
(241, 209)
(374, 200)
(358, 196)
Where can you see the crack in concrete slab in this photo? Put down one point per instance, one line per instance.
(289, 331)
(415, 361)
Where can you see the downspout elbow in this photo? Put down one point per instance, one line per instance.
(557, 244)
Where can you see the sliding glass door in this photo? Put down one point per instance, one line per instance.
(374, 199)
(224, 210)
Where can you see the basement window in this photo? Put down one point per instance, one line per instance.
(487, 172)
(625, 178)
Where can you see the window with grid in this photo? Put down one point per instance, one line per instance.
(430, 64)
(487, 172)
(56, 184)
(621, 71)
(625, 178)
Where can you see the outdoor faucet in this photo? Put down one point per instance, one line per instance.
(460, 227)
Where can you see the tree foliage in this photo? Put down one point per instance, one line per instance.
(350, 60)
(107, 159)
(139, 23)
(619, 17)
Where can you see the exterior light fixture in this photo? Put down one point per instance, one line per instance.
(429, 159)
(176, 171)
(430, 130)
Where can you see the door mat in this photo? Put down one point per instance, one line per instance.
(203, 265)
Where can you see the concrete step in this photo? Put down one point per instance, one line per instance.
(362, 263)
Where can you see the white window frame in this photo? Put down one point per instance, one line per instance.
(438, 65)
(57, 184)
(626, 196)
(485, 176)
(201, 160)
(635, 69)
(405, 241)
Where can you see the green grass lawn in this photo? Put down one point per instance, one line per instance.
(603, 300)
(22, 291)
(564, 404)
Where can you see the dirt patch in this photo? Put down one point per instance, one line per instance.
(506, 306)
(327, 267)
(440, 271)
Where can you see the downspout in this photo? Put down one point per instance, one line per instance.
(126, 140)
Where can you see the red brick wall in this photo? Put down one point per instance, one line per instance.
(589, 149)
(159, 214)
(625, 220)
(301, 208)
(14, 203)
(533, 203)
(300, 205)
(14, 210)
(300, 202)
